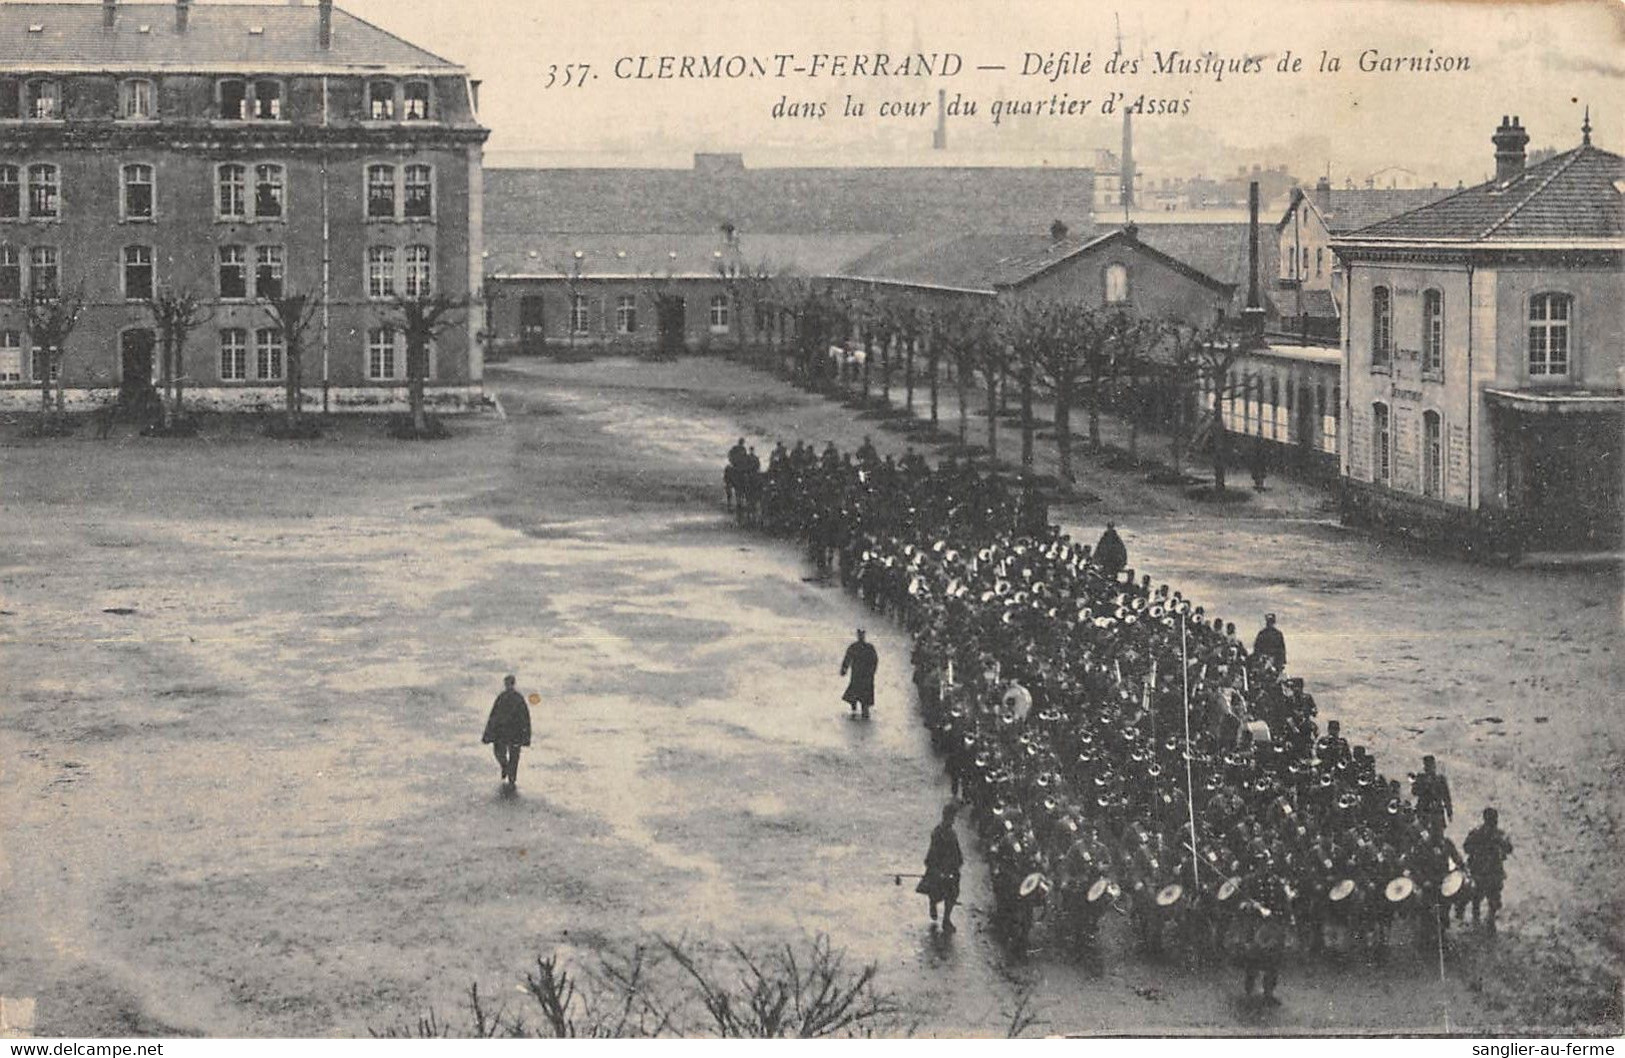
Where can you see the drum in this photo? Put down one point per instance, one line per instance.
(1170, 895)
(1017, 700)
(1098, 891)
(1398, 891)
(1034, 883)
(1260, 732)
(1229, 889)
(1452, 884)
(1342, 891)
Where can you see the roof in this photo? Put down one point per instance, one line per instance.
(887, 200)
(1570, 200)
(1218, 250)
(73, 36)
(1018, 272)
(550, 255)
(1357, 207)
(1315, 302)
(952, 262)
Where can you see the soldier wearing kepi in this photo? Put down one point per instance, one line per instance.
(861, 660)
(1270, 643)
(507, 729)
(1487, 849)
(1431, 790)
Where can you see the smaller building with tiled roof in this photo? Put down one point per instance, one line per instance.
(1483, 345)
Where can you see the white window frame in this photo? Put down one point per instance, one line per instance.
(14, 174)
(1382, 443)
(381, 272)
(126, 183)
(580, 315)
(417, 268)
(274, 256)
(270, 354)
(626, 314)
(719, 314)
(1433, 333)
(54, 183)
(381, 355)
(241, 253)
(131, 257)
(233, 361)
(11, 357)
(367, 185)
(1547, 327)
(279, 181)
(130, 92)
(35, 267)
(11, 260)
(1114, 278)
(240, 186)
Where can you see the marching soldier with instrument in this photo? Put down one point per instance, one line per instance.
(1432, 793)
(1487, 849)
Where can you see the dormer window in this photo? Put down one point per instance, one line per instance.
(44, 101)
(417, 96)
(381, 100)
(268, 100)
(137, 100)
(243, 100)
(233, 100)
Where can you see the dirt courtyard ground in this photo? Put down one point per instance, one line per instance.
(242, 790)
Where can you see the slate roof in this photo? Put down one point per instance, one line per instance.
(972, 262)
(73, 35)
(1357, 207)
(1574, 198)
(619, 254)
(1216, 250)
(887, 200)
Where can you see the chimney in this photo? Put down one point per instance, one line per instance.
(939, 138)
(1510, 140)
(474, 93)
(325, 7)
(183, 13)
(1323, 196)
(1252, 317)
(1127, 179)
(109, 13)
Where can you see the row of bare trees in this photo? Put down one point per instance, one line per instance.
(1052, 348)
(421, 319)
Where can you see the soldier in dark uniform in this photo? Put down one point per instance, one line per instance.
(1110, 554)
(1432, 793)
(1270, 643)
(507, 729)
(861, 660)
(942, 865)
(1487, 849)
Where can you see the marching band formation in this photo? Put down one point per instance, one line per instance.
(1117, 746)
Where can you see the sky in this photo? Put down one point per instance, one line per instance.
(1544, 61)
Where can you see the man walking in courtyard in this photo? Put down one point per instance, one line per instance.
(943, 862)
(861, 660)
(1110, 554)
(1487, 849)
(508, 729)
(1270, 643)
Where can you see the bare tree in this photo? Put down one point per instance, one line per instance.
(291, 312)
(1064, 339)
(52, 315)
(1133, 340)
(175, 315)
(990, 354)
(422, 318)
(1202, 361)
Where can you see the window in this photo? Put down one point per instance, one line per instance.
(267, 354)
(417, 97)
(137, 273)
(44, 101)
(380, 192)
(719, 314)
(233, 273)
(136, 100)
(269, 189)
(1432, 455)
(138, 197)
(380, 271)
(1116, 284)
(382, 350)
(381, 100)
(1382, 326)
(233, 100)
(626, 314)
(1306, 262)
(268, 100)
(11, 193)
(1549, 316)
(232, 181)
(268, 271)
(580, 315)
(38, 358)
(1433, 333)
(1380, 452)
(234, 355)
(11, 274)
(419, 271)
(44, 191)
(419, 192)
(44, 271)
(11, 356)
(10, 101)
(1275, 407)
(1320, 256)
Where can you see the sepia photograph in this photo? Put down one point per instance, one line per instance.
(952, 520)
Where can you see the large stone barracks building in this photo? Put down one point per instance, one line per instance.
(237, 152)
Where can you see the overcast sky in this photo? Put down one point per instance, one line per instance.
(1542, 61)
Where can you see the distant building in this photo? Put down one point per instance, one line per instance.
(236, 151)
(1482, 352)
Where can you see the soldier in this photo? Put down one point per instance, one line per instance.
(1270, 643)
(942, 865)
(1487, 849)
(1432, 793)
(861, 660)
(1110, 554)
(507, 729)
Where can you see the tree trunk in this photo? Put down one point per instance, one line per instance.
(1027, 415)
(1094, 405)
(180, 377)
(290, 385)
(908, 376)
(932, 358)
(168, 371)
(993, 397)
(964, 406)
(885, 370)
(1063, 427)
(1220, 441)
(414, 392)
(1132, 409)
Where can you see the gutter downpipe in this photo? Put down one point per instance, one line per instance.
(327, 257)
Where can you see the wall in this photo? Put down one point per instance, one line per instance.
(508, 295)
(1156, 290)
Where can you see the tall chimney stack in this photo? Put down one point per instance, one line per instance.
(1252, 317)
(939, 138)
(1510, 140)
(183, 13)
(1128, 163)
(325, 7)
(1323, 196)
(109, 13)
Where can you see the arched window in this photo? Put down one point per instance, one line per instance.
(1433, 333)
(419, 271)
(137, 100)
(1549, 350)
(138, 196)
(416, 96)
(233, 99)
(1432, 455)
(381, 100)
(719, 314)
(1382, 326)
(137, 273)
(44, 101)
(1381, 450)
(1116, 283)
(44, 191)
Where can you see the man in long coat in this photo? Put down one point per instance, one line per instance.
(943, 862)
(1110, 554)
(861, 660)
(507, 729)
